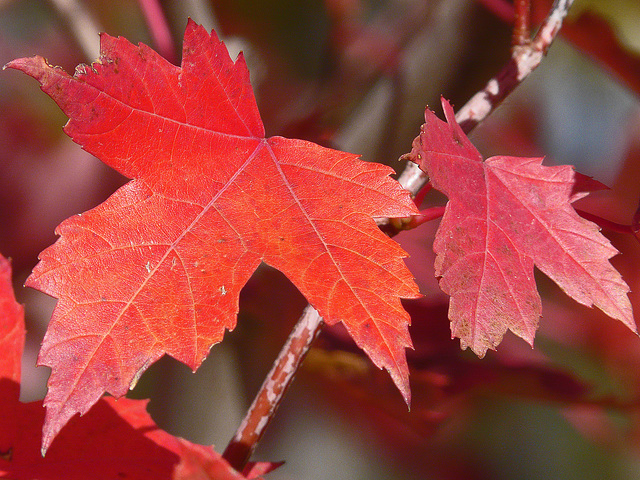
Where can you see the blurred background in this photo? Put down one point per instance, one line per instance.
(356, 75)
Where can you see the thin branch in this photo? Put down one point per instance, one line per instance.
(524, 60)
(522, 17)
(635, 223)
(159, 28)
(273, 389)
(549, 29)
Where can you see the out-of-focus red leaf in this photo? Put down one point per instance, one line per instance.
(11, 326)
(446, 390)
(504, 215)
(114, 440)
(204, 463)
(158, 267)
(585, 184)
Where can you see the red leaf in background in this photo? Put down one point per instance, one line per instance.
(585, 184)
(504, 215)
(116, 439)
(11, 326)
(598, 39)
(158, 267)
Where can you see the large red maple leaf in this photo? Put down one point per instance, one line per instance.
(158, 267)
(504, 215)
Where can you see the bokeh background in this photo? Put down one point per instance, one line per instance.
(357, 75)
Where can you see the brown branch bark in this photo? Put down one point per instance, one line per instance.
(273, 389)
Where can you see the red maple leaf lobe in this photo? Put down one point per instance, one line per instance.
(504, 215)
(158, 267)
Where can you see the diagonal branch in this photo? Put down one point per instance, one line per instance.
(273, 389)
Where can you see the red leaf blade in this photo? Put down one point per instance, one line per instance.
(115, 439)
(12, 332)
(504, 215)
(158, 267)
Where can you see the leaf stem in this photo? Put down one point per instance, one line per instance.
(272, 391)
(604, 223)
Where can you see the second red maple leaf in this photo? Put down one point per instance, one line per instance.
(505, 215)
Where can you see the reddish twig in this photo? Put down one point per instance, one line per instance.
(521, 31)
(635, 223)
(524, 59)
(159, 29)
(420, 196)
(273, 389)
(429, 214)
(415, 221)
